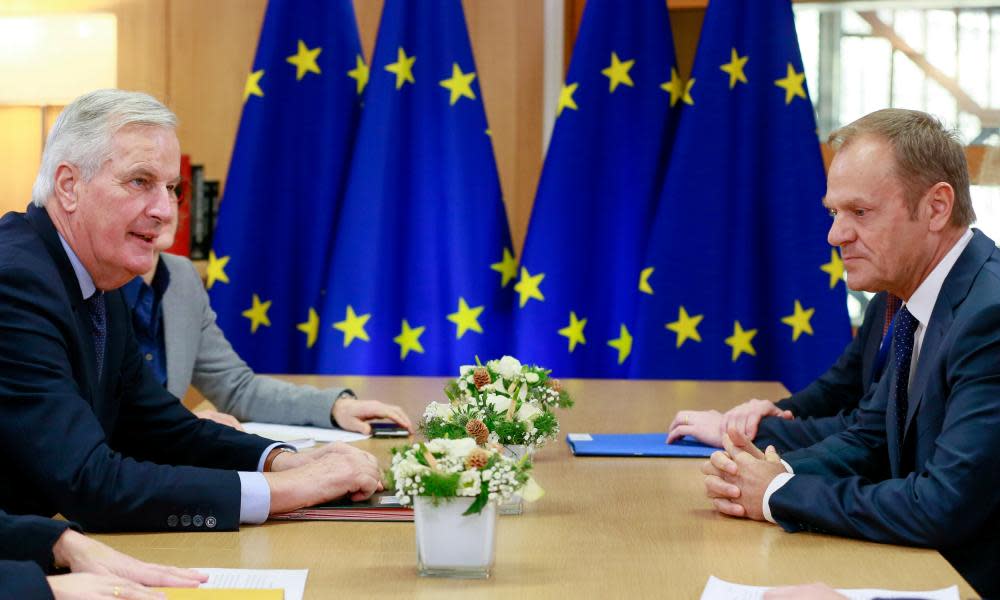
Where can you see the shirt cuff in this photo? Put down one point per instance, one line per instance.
(775, 485)
(255, 497)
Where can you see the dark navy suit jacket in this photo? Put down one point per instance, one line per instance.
(827, 405)
(115, 452)
(26, 555)
(938, 486)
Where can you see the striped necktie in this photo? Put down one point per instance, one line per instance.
(97, 307)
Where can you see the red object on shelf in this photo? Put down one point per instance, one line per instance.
(182, 241)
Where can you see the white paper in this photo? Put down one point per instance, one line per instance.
(293, 581)
(579, 437)
(284, 433)
(717, 589)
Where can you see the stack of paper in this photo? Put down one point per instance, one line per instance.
(245, 584)
(717, 589)
(380, 507)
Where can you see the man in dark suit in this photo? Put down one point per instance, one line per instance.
(85, 429)
(32, 546)
(920, 464)
(824, 407)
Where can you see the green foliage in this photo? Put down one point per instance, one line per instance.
(440, 485)
(509, 432)
(546, 424)
(436, 428)
(565, 401)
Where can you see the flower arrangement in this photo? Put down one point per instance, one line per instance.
(502, 402)
(445, 468)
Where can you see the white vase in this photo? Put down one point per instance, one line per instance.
(450, 544)
(514, 505)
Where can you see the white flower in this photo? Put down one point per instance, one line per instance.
(499, 403)
(508, 367)
(437, 410)
(469, 483)
(466, 370)
(528, 412)
(455, 449)
(531, 377)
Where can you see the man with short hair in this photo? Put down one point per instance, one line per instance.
(921, 465)
(85, 430)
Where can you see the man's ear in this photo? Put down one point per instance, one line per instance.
(66, 186)
(940, 201)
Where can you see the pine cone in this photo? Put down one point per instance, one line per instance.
(555, 384)
(481, 377)
(477, 459)
(477, 430)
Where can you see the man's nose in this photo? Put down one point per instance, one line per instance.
(840, 231)
(161, 206)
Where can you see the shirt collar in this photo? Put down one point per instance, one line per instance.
(87, 287)
(921, 303)
(161, 279)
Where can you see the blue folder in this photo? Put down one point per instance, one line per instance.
(636, 444)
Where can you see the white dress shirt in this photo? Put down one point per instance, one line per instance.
(921, 306)
(255, 494)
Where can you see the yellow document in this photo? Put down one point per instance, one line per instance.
(221, 594)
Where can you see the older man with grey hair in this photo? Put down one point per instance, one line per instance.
(85, 429)
(919, 465)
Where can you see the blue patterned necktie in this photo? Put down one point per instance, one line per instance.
(98, 327)
(904, 328)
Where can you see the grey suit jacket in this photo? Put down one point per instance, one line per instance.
(198, 354)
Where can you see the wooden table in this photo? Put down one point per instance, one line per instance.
(636, 527)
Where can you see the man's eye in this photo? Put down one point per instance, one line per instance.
(859, 212)
(139, 182)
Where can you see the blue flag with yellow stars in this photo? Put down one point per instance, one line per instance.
(413, 285)
(582, 264)
(744, 284)
(285, 183)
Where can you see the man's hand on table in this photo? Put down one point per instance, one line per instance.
(308, 478)
(708, 426)
(736, 478)
(353, 414)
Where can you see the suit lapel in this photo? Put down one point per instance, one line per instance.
(953, 292)
(42, 224)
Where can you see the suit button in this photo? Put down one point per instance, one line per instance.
(210, 522)
(186, 520)
(198, 520)
(149, 356)
(172, 521)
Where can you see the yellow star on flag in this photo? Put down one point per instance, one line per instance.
(258, 314)
(528, 286)
(566, 98)
(686, 327)
(574, 331)
(622, 343)
(644, 275)
(402, 68)
(305, 60)
(792, 84)
(617, 73)
(252, 85)
(310, 328)
(353, 326)
(459, 84)
(216, 270)
(679, 89)
(409, 339)
(835, 268)
(735, 68)
(507, 267)
(466, 318)
(359, 73)
(799, 321)
(740, 341)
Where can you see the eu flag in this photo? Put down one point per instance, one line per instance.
(745, 285)
(286, 178)
(582, 266)
(414, 285)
